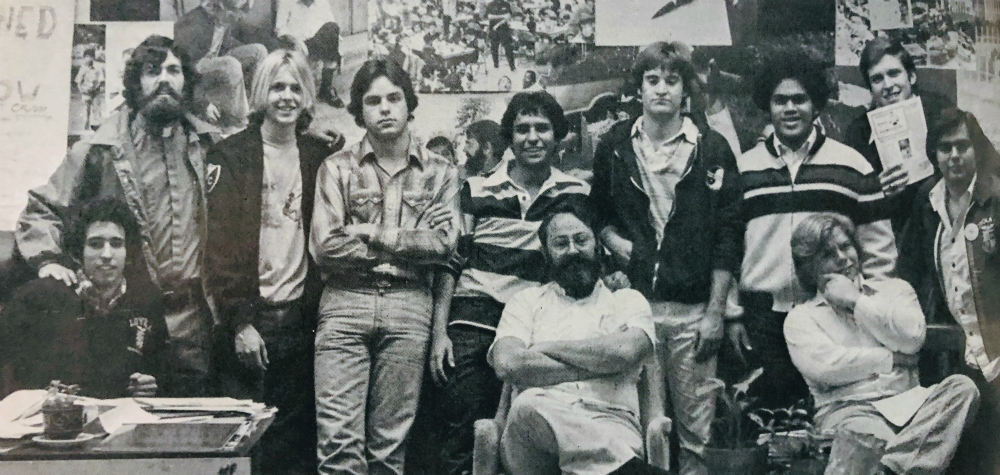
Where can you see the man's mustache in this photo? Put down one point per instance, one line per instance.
(165, 89)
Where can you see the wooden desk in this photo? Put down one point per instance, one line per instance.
(94, 458)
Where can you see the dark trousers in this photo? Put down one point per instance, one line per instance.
(502, 37)
(781, 385)
(977, 451)
(289, 444)
(472, 392)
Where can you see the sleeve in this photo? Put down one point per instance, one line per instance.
(823, 361)
(225, 256)
(728, 253)
(600, 190)
(914, 263)
(40, 227)
(636, 312)
(422, 244)
(329, 243)
(892, 315)
(878, 244)
(155, 357)
(516, 319)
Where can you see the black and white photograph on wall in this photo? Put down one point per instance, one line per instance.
(484, 46)
(938, 33)
(86, 107)
(696, 22)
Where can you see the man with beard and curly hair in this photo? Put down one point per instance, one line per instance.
(151, 155)
(575, 350)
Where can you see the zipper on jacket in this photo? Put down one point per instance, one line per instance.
(673, 209)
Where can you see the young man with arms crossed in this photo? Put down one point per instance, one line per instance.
(372, 242)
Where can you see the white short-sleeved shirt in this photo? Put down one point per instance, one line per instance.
(546, 313)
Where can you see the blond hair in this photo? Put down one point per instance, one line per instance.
(269, 68)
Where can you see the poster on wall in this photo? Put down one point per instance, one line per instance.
(696, 22)
(33, 96)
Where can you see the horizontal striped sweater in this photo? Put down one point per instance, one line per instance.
(499, 249)
(832, 178)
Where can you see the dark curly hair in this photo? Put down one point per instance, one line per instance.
(535, 102)
(795, 65)
(101, 210)
(369, 72)
(153, 50)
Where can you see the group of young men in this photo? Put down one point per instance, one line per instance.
(333, 279)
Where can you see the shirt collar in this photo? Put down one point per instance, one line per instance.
(689, 131)
(500, 177)
(783, 149)
(938, 198)
(89, 294)
(415, 152)
(114, 130)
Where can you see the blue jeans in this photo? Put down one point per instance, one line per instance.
(371, 349)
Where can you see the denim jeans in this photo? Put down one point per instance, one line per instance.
(686, 380)
(371, 349)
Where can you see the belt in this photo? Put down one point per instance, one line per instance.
(757, 300)
(183, 294)
(376, 282)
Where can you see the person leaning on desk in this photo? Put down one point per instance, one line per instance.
(107, 332)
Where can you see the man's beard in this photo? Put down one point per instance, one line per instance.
(577, 275)
(163, 106)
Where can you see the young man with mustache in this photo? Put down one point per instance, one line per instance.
(499, 255)
(856, 342)
(151, 155)
(668, 194)
(574, 351)
(377, 251)
(793, 173)
(948, 252)
(106, 333)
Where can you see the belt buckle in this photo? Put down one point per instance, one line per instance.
(383, 283)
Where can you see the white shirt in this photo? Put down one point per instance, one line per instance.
(546, 313)
(662, 166)
(953, 265)
(282, 261)
(849, 357)
(795, 158)
(300, 21)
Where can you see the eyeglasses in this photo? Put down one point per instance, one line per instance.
(948, 148)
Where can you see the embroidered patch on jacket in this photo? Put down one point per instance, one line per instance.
(988, 229)
(714, 179)
(141, 325)
(212, 176)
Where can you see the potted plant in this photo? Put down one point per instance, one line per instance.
(735, 448)
(62, 416)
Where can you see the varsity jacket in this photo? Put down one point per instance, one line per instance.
(704, 232)
(234, 214)
(832, 178)
(920, 266)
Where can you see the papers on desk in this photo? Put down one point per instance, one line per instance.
(899, 409)
(900, 135)
(20, 414)
(196, 406)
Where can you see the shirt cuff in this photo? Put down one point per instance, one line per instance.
(884, 362)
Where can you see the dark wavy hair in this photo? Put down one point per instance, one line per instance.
(102, 210)
(987, 157)
(535, 102)
(369, 72)
(877, 49)
(153, 50)
(795, 65)
(672, 56)
(812, 238)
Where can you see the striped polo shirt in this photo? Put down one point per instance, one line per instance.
(499, 247)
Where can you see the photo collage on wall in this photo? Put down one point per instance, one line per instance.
(467, 57)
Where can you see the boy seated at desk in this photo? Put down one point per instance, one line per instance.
(100, 329)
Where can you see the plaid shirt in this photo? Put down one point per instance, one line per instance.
(352, 188)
